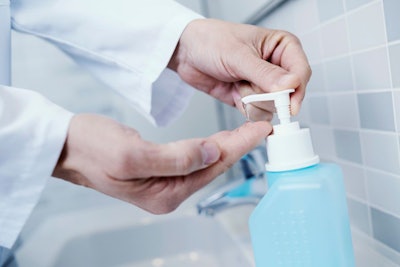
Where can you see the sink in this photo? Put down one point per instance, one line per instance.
(124, 236)
(115, 234)
(185, 241)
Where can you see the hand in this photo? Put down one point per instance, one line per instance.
(229, 61)
(111, 158)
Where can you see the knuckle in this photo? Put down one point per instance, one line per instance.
(121, 162)
(164, 207)
(168, 207)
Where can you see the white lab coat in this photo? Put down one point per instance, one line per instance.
(125, 43)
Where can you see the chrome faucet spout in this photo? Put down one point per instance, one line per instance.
(247, 190)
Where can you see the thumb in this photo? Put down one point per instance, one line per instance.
(181, 157)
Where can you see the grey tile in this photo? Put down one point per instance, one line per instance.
(392, 17)
(358, 215)
(394, 57)
(371, 18)
(303, 116)
(351, 4)
(381, 151)
(384, 191)
(317, 80)
(368, 75)
(386, 228)
(329, 9)
(396, 97)
(348, 146)
(319, 110)
(338, 74)
(344, 110)
(376, 111)
(323, 141)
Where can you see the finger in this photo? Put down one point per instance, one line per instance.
(233, 145)
(256, 111)
(294, 60)
(177, 158)
(270, 78)
(265, 75)
(303, 70)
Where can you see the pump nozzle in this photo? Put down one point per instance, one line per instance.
(281, 101)
(289, 147)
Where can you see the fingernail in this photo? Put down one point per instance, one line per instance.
(294, 107)
(210, 152)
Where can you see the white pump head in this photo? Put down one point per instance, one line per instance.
(289, 147)
(281, 100)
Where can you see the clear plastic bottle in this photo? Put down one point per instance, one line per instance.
(303, 218)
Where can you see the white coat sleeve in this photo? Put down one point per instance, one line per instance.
(126, 44)
(32, 135)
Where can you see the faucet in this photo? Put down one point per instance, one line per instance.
(247, 189)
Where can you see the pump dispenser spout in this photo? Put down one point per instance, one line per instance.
(281, 100)
(289, 147)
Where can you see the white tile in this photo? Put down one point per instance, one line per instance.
(329, 9)
(281, 18)
(394, 57)
(339, 75)
(381, 151)
(384, 191)
(354, 181)
(306, 16)
(344, 111)
(366, 27)
(334, 38)
(371, 70)
(311, 43)
(351, 4)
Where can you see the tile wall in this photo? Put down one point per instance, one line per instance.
(353, 101)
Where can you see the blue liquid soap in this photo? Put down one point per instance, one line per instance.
(303, 218)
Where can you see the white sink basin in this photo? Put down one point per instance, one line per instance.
(116, 237)
(185, 241)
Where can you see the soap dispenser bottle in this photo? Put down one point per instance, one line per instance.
(302, 220)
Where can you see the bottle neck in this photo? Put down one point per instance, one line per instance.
(290, 148)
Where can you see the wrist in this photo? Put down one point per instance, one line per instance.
(191, 32)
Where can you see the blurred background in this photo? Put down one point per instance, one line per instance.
(352, 105)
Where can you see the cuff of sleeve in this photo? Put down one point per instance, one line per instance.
(33, 131)
(136, 41)
(170, 97)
